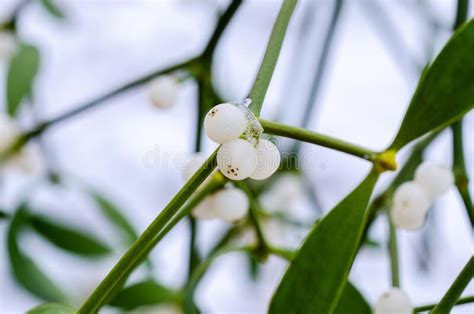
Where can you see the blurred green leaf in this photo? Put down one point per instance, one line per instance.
(141, 294)
(352, 302)
(112, 212)
(445, 91)
(4, 215)
(68, 238)
(52, 8)
(25, 271)
(51, 308)
(21, 72)
(316, 278)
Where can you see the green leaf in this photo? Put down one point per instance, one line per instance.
(111, 211)
(51, 308)
(141, 294)
(445, 91)
(3, 215)
(316, 278)
(21, 73)
(52, 8)
(68, 238)
(352, 301)
(25, 271)
(456, 289)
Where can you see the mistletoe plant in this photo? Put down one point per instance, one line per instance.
(217, 186)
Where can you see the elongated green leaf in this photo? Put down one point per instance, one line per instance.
(21, 73)
(3, 215)
(456, 289)
(352, 302)
(52, 8)
(111, 211)
(51, 308)
(68, 238)
(25, 271)
(315, 279)
(445, 91)
(141, 294)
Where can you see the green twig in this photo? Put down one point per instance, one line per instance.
(140, 248)
(393, 252)
(254, 209)
(220, 27)
(461, 13)
(424, 308)
(270, 58)
(456, 289)
(459, 169)
(308, 136)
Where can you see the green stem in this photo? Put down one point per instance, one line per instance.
(270, 58)
(254, 208)
(393, 252)
(219, 30)
(424, 308)
(146, 241)
(456, 289)
(308, 136)
(461, 13)
(459, 169)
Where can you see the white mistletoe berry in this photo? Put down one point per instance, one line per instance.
(8, 45)
(435, 179)
(268, 160)
(224, 122)
(410, 205)
(205, 209)
(230, 204)
(237, 159)
(163, 91)
(394, 301)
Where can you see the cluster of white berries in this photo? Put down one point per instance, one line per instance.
(8, 45)
(163, 91)
(412, 199)
(393, 301)
(243, 153)
(229, 204)
(28, 159)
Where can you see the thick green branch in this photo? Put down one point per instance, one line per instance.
(456, 289)
(424, 308)
(143, 245)
(264, 75)
(308, 136)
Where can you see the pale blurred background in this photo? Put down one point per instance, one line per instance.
(364, 93)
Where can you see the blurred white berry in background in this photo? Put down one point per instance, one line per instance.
(268, 160)
(237, 159)
(28, 159)
(287, 189)
(224, 122)
(8, 45)
(163, 91)
(394, 301)
(410, 205)
(435, 179)
(230, 204)
(8, 132)
(205, 209)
